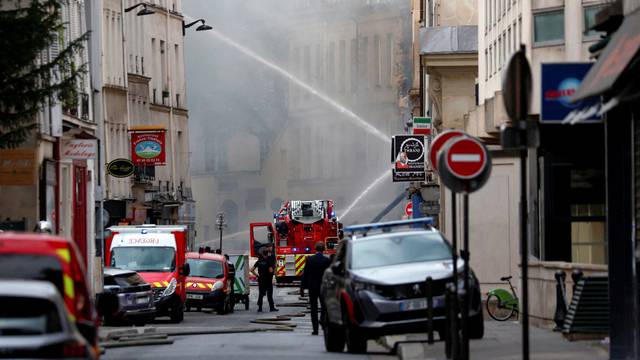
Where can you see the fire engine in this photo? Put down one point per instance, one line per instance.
(296, 228)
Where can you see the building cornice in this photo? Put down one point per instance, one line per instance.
(137, 78)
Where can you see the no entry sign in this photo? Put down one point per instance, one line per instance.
(438, 143)
(466, 158)
(408, 209)
(465, 164)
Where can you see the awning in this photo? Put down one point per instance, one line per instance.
(615, 58)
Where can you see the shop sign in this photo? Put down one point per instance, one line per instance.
(560, 81)
(408, 157)
(148, 147)
(18, 167)
(78, 149)
(120, 168)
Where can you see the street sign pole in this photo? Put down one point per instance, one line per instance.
(516, 86)
(455, 341)
(465, 257)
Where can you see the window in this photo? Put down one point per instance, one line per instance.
(319, 65)
(331, 66)
(377, 66)
(364, 63)
(486, 65)
(354, 65)
(548, 27)
(389, 52)
(590, 20)
(342, 65)
(588, 244)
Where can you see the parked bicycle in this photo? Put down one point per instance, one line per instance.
(502, 304)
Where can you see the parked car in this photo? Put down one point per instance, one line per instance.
(54, 259)
(34, 323)
(376, 285)
(209, 284)
(135, 297)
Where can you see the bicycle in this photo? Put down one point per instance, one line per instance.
(506, 304)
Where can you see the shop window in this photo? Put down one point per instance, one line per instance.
(588, 241)
(590, 20)
(548, 27)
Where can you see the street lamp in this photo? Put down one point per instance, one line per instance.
(202, 27)
(145, 10)
(221, 223)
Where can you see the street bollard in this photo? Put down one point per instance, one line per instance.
(576, 276)
(429, 293)
(561, 303)
(452, 340)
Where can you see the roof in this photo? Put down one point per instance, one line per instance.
(382, 235)
(109, 271)
(419, 224)
(206, 256)
(443, 40)
(28, 288)
(150, 228)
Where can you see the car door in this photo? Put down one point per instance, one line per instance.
(333, 284)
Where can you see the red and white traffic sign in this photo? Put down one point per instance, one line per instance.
(408, 209)
(438, 143)
(466, 157)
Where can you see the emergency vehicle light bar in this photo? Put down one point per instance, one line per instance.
(386, 226)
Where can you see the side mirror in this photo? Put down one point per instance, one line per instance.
(186, 270)
(336, 268)
(107, 303)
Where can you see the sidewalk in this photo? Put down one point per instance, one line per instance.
(502, 340)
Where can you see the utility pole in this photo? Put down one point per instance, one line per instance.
(221, 223)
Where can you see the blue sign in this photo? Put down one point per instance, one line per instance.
(559, 82)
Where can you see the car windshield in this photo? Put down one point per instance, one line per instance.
(32, 267)
(205, 268)
(20, 316)
(144, 258)
(400, 249)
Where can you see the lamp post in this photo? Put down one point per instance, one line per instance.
(202, 27)
(221, 223)
(144, 11)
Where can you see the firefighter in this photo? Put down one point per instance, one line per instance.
(312, 279)
(266, 267)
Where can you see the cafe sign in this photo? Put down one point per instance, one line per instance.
(120, 168)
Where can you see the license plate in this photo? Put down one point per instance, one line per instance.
(142, 300)
(195, 296)
(419, 304)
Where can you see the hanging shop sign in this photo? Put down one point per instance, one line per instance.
(408, 157)
(78, 149)
(120, 168)
(148, 147)
(560, 81)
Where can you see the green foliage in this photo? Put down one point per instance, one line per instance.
(29, 78)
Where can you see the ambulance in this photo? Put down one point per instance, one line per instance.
(157, 253)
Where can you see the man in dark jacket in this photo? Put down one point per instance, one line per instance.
(312, 280)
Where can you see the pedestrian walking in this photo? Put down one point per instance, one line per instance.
(266, 267)
(312, 280)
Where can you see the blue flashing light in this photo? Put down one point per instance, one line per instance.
(144, 231)
(295, 249)
(386, 226)
(307, 249)
(333, 214)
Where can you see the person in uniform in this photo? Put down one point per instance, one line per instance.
(312, 280)
(266, 268)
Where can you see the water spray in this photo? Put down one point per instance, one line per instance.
(364, 193)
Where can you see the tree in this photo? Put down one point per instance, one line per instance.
(35, 69)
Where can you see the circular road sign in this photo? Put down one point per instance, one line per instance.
(467, 164)
(438, 143)
(408, 209)
(466, 157)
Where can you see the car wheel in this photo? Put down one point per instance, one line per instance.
(356, 343)
(177, 314)
(333, 336)
(476, 326)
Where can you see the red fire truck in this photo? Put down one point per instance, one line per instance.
(296, 228)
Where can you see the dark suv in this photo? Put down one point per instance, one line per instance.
(376, 285)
